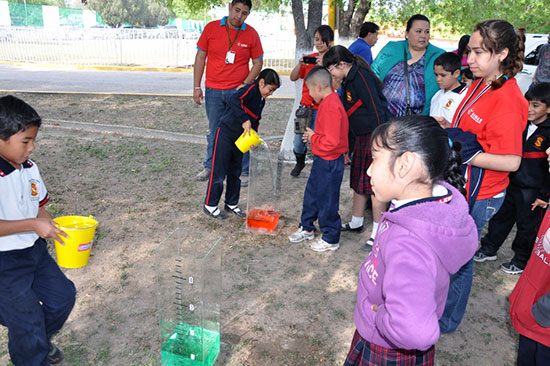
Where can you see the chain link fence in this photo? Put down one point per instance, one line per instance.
(100, 46)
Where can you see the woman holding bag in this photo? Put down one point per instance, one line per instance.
(412, 61)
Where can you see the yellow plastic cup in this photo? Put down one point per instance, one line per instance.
(76, 251)
(246, 142)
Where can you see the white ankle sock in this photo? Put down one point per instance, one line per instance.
(232, 206)
(356, 222)
(211, 209)
(374, 229)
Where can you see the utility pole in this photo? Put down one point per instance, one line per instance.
(26, 16)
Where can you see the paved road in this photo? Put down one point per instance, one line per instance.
(31, 78)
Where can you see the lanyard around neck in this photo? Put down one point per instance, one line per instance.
(467, 103)
(229, 43)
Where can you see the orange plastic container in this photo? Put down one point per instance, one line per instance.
(262, 219)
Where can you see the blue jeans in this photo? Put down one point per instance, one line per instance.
(322, 197)
(35, 300)
(246, 164)
(216, 102)
(299, 146)
(461, 282)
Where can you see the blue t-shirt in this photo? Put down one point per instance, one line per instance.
(362, 48)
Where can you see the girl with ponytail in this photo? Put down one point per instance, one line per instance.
(495, 111)
(425, 236)
(367, 108)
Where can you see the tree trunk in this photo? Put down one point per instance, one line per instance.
(304, 44)
(359, 17)
(352, 18)
(344, 23)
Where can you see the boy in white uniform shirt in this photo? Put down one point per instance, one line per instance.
(446, 100)
(35, 296)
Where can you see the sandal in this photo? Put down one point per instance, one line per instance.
(237, 211)
(217, 214)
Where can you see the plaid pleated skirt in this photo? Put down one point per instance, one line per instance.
(363, 353)
(360, 162)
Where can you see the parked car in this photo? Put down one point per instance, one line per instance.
(190, 33)
(171, 31)
(533, 43)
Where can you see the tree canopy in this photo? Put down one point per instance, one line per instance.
(462, 15)
(148, 13)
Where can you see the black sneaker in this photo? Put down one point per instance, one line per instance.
(482, 257)
(55, 355)
(510, 268)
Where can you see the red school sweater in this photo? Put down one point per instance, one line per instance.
(533, 284)
(330, 139)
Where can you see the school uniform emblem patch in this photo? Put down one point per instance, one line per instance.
(539, 141)
(34, 189)
(348, 96)
(449, 103)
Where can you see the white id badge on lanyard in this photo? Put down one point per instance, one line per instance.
(230, 57)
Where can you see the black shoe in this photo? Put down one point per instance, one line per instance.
(217, 214)
(237, 211)
(346, 227)
(55, 355)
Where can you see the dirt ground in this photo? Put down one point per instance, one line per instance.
(281, 303)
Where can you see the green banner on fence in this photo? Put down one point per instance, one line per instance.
(71, 17)
(26, 14)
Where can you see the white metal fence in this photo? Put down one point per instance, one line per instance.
(122, 47)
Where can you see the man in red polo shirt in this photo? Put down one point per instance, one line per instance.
(228, 44)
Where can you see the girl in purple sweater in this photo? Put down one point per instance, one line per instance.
(425, 236)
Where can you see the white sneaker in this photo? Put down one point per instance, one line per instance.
(300, 235)
(320, 245)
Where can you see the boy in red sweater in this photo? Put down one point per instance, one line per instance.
(329, 142)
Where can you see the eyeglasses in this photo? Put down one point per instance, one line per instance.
(332, 67)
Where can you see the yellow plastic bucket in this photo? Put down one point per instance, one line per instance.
(76, 251)
(246, 142)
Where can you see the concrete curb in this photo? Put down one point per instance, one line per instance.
(90, 67)
(113, 93)
(107, 68)
(134, 132)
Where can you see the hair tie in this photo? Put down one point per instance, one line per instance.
(450, 142)
(505, 77)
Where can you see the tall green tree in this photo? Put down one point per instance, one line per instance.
(462, 15)
(147, 13)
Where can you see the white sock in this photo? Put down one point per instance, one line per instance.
(374, 229)
(211, 209)
(356, 222)
(232, 206)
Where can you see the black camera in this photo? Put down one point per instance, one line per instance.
(310, 60)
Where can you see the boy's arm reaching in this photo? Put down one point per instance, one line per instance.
(43, 225)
